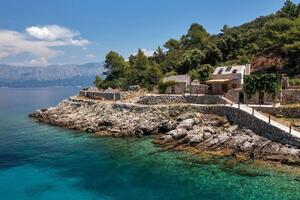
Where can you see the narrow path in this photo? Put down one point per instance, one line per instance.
(264, 118)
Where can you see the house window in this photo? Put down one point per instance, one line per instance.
(234, 71)
(228, 69)
(220, 71)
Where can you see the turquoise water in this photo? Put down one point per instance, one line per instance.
(38, 161)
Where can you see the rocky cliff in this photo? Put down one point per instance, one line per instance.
(176, 126)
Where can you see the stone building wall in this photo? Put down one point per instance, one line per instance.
(254, 99)
(234, 96)
(178, 88)
(111, 96)
(198, 89)
(290, 96)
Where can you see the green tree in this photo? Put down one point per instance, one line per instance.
(261, 83)
(197, 37)
(204, 72)
(289, 9)
(99, 82)
(139, 65)
(190, 60)
(200, 74)
(172, 44)
(159, 55)
(152, 78)
(116, 66)
(164, 85)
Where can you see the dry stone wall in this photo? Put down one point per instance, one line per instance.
(292, 112)
(290, 96)
(171, 99)
(233, 114)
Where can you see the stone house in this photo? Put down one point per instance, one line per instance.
(229, 81)
(184, 85)
(224, 79)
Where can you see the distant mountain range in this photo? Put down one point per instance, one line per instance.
(52, 75)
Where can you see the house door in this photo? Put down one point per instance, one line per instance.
(173, 90)
(241, 97)
(261, 97)
(209, 89)
(224, 88)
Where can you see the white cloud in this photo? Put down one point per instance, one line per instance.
(50, 32)
(147, 52)
(38, 42)
(56, 33)
(90, 56)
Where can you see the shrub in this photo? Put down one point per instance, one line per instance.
(164, 85)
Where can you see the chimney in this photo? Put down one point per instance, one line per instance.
(248, 69)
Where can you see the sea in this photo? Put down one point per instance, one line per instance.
(43, 162)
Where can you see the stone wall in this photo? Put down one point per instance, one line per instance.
(171, 99)
(290, 96)
(177, 88)
(234, 115)
(292, 112)
(198, 89)
(258, 126)
(111, 96)
(233, 95)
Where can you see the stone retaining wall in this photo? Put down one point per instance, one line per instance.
(282, 111)
(171, 99)
(258, 126)
(290, 96)
(234, 115)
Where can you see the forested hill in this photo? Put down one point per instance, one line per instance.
(269, 43)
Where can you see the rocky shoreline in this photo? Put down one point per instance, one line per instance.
(174, 126)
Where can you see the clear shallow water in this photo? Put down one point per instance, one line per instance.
(38, 161)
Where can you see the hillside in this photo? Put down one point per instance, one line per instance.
(52, 75)
(270, 43)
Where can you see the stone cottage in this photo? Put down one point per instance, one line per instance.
(224, 79)
(184, 85)
(229, 81)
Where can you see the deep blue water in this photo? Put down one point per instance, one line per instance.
(38, 161)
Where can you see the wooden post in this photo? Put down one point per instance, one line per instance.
(290, 128)
(252, 111)
(269, 119)
(239, 105)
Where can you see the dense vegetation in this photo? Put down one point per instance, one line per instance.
(267, 83)
(273, 37)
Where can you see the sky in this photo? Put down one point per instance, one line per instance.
(43, 32)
